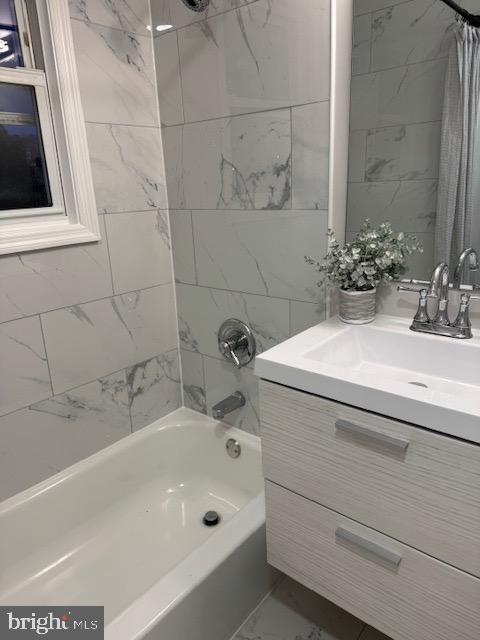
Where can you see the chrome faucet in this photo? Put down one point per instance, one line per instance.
(229, 404)
(438, 288)
(460, 269)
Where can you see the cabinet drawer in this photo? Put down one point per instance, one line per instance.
(403, 592)
(407, 482)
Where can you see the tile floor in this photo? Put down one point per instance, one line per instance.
(293, 612)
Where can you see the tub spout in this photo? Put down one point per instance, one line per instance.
(229, 404)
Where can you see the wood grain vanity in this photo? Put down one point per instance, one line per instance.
(379, 516)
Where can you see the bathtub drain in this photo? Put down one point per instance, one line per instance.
(211, 518)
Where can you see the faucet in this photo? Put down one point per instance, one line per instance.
(438, 288)
(228, 404)
(460, 269)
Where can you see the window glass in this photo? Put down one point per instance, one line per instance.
(23, 175)
(10, 48)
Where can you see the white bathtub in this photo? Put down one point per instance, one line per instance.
(124, 529)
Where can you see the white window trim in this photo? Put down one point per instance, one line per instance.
(80, 224)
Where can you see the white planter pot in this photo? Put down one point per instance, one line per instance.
(357, 307)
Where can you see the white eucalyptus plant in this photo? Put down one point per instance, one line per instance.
(373, 257)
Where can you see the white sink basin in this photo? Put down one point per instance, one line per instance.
(385, 368)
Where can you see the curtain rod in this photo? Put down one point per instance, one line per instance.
(466, 15)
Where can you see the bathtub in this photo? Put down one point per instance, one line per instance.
(124, 529)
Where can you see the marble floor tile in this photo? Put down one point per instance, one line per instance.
(38, 281)
(310, 156)
(411, 32)
(109, 335)
(223, 379)
(127, 168)
(116, 75)
(369, 633)
(293, 612)
(61, 431)
(139, 245)
(154, 388)
(232, 163)
(129, 15)
(201, 311)
(24, 371)
(263, 55)
(169, 85)
(260, 252)
(193, 378)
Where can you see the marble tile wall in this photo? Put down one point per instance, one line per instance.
(398, 66)
(244, 104)
(88, 333)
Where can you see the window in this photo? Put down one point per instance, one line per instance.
(46, 191)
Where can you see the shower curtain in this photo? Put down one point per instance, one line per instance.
(458, 156)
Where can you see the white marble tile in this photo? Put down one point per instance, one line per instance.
(182, 245)
(260, 252)
(173, 147)
(201, 311)
(87, 341)
(61, 431)
(127, 168)
(304, 315)
(129, 15)
(139, 245)
(235, 163)
(116, 75)
(411, 32)
(23, 366)
(399, 96)
(357, 151)
(169, 83)
(310, 161)
(193, 377)
(362, 38)
(293, 612)
(154, 388)
(408, 205)
(174, 12)
(409, 152)
(223, 379)
(38, 281)
(262, 56)
(366, 6)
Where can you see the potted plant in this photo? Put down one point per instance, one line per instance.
(358, 267)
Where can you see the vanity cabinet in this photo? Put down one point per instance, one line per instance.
(379, 516)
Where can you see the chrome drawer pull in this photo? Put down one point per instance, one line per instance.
(382, 438)
(372, 547)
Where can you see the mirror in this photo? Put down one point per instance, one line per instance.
(412, 160)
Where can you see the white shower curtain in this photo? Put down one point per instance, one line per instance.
(456, 198)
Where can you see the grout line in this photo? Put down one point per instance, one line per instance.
(108, 254)
(181, 79)
(394, 126)
(125, 124)
(390, 6)
(194, 249)
(246, 113)
(400, 66)
(291, 157)
(118, 213)
(46, 353)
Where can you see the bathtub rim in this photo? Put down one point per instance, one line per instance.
(181, 415)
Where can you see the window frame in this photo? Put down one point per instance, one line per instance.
(73, 218)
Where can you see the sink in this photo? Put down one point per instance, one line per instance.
(384, 367)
